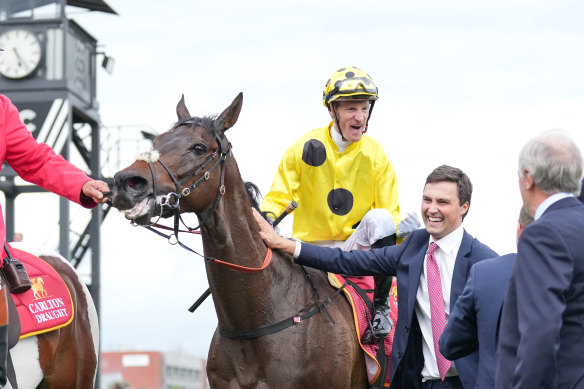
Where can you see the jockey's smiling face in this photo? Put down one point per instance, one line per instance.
(352, 117)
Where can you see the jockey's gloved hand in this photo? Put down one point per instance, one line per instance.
(408, 224)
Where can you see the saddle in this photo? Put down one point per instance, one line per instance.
(43, 302)
(378, 355)
(47, 305)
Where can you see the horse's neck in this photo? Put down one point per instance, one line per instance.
(230, 230)
(231, 234)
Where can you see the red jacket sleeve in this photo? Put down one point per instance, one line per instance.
(37, 162)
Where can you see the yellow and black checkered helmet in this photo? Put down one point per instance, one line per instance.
(349, 83)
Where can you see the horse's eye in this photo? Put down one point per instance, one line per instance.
(199, 148)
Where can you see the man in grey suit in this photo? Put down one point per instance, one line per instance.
(473, 321)
(444, 244)
(541, 333)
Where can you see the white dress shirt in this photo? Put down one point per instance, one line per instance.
(549, 201)
(446, 257)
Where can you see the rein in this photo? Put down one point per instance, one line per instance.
(172, 200)
(267, 258)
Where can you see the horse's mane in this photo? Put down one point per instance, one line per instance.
(253, 193)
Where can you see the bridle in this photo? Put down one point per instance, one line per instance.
(172, 199)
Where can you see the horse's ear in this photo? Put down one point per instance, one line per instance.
(228, 118)
(181, 110)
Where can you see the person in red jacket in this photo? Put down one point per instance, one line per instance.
(37, 163)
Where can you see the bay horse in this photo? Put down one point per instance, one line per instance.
(192, 169)
(66, 357)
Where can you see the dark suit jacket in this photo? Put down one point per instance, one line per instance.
(541, 334)
(473, 321)
(406, 262)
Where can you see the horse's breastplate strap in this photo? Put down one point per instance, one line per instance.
(47, 305)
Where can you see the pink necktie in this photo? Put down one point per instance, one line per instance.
(436, 307)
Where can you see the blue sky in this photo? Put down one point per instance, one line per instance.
(461, 83)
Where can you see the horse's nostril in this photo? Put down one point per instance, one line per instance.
(130, 181)
(136, 183)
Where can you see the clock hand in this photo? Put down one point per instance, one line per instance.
(20, 61)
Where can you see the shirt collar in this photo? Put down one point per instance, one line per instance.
(450, 242)
(549, 201)
(338, 139)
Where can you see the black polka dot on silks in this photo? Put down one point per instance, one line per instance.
(314, 153)
(350, 74)
(340, 201)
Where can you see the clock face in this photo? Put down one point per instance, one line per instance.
(21, 55)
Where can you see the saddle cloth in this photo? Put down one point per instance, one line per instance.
(360, 312)
(47, 305)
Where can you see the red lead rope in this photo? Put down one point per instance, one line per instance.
(267, 261)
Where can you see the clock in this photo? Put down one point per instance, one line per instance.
(21, 55)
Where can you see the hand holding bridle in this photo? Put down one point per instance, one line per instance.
(95, 189)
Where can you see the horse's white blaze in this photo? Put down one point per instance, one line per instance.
(25, 356)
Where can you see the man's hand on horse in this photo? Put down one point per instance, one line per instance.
(270, 237)
(96, 190)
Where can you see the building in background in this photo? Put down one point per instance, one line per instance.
(152, 370)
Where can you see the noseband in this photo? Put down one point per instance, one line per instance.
(172, 199)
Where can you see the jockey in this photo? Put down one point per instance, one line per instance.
(337, 174)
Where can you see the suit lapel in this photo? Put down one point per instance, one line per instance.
(414, 275)
(461, 269)
(415, 270)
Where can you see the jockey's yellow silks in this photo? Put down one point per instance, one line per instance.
(323, 182)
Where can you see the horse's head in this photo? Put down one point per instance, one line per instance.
(184, 171)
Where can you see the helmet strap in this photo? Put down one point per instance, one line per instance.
(337, 122)
(369, 116)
